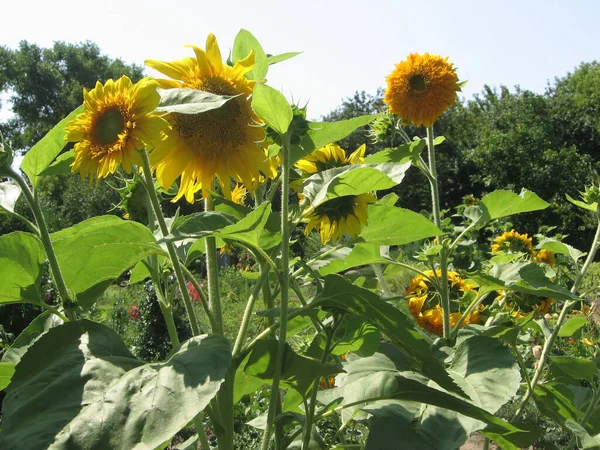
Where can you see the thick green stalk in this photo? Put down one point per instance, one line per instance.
(212, 275)
(164, 229)
(44, 236)
(201, 295)
(561, 320)
(435, 200)
(285, 282)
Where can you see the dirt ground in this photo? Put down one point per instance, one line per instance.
(475, 442)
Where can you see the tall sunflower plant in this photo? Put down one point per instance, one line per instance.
(422, 367)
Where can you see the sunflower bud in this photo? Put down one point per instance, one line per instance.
(6, 153)
(591, 195)
(537, 351)
(383, 128)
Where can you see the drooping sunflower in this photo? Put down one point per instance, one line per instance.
(423, 302)
(513, 242)
(520, 304)
(220, 142)
(117, 121)
(545, 256)
(340, 216)
(421, 88)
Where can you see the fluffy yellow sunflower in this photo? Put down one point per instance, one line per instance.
(513, 242)
(238, 195)
(545, 256)
(117, 122)
(421, 88)
(339, 216)
(421, 295)
(220, 142)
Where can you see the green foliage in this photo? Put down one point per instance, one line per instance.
(46, 84)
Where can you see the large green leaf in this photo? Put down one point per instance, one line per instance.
(352, 180)
(360, 255)
(487, 372)
(389, 225)
(21, 259)
(7, 370)
(272, 107)
(323, 133)
(200, 224)
(243, 44)
(359, 337)
(39, 157)
(101, 397)
(274, 59)
(556, 401)
(590, 207)
(559, 247)
(575, 367)
(38, 326)
(572, 325)
(339, 294)
(585, 440)
(298, 372)
(190, 101)
(96, 251)
(62, 164)
(250, 229)
(503, 203)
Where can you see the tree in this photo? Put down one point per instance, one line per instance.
(46, 84)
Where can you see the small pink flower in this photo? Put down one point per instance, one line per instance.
(134, 312)
(193, 292)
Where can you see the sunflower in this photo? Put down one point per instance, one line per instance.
(219, 142)
(238, 195)
(117, 122)
(520, 305)
(421, 88)
(513, 242)
(545, 256)
(421, 296)
(339, 216)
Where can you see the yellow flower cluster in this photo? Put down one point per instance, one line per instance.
(421, 295)
(513, 242)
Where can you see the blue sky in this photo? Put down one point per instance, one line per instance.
(347, 45)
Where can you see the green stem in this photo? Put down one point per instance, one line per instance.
(435, 200)
(285, 280)
(561, 320)
(54, 311)
(44, 236)
(476, 301)
(241, 337)
(385, 288)
(199, 423)
(310, 412)
(212, 275)
(521, 363)
(164, 229)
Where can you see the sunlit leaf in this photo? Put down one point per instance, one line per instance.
(190, 101)
(401, 154)
(39, 157)
(575, 367)
(272, 107)
(9, 194)
(592, 207)
(243, 44)
(6, 372)
(360, 255)
(503, 203)
(572, 325)
(559, 247)
(38, 326)
(21, 260)
(274, 59)
(62, 164)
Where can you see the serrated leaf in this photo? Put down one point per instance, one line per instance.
(39, 157)
(360, 255)
(114, 401)
(38, 326)
(21, 260)
(96, 251)
(243, 44)
(572, 325)
(272, 107)
(593, 207)
(556, 401)
(351, 180)
(323, 133)
(389, 225)
(190, 101)
(574, 367)
(340, 294)
(401, 154)
(9, 194)
(559, 247)
(249, 230)
(503, 203)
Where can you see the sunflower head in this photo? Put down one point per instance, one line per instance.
(219, 142)
(421, 88)
(423, 302)
(513, 242)
(329, 157)
(340, 216)
(238, 195)
(545, 256)
(117, 121)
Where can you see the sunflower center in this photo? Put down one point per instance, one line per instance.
(337, 208)
(109, 124)
(215, 85)
(417, 83)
